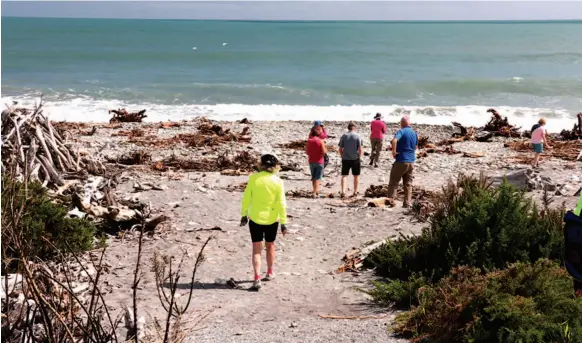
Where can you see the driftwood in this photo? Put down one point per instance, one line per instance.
(38, 151)
(500, 126)
(242, 162)
(324, 316)
(302, 144)
(354, 259)
(381, 202)
(30, 142)
(566, 150)
(208, 135)
(122, 116)
(576, 132)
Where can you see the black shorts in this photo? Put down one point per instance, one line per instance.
(354, 165)
(266, 232)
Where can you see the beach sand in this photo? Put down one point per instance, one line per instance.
(321, 231)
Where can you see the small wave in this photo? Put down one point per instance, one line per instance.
(85, 109)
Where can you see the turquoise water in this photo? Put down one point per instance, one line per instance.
(294, 70)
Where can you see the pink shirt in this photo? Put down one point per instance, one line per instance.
(378, 129)
(537, 136)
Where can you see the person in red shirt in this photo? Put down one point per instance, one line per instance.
(315, 149)
(377, 138)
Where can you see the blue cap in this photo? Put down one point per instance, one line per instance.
(317, 123)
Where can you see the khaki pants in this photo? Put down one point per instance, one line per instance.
(376, 148)
(404, 171)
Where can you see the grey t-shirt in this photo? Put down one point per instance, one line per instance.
(351, 143)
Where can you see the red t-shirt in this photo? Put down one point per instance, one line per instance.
(378, 129)
(314, 147)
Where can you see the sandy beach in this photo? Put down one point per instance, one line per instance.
(321, 231)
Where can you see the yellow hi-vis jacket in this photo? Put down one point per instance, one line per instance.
(264, 199)
(578, 209)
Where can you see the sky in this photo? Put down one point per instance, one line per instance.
(296, 10)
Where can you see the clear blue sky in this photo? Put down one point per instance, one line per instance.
(295, 10)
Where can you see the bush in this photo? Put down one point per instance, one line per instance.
(42, 229)
(524, 303)
(473, 225)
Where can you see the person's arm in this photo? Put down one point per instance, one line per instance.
(281, 206)
(341, 146)
(394, 153)
(360, 150)
(323, 148)
(397, 136)
(383, 128)
(545, 139)
(323, 133)
(246, 200)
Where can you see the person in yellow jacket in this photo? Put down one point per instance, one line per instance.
(264, 208)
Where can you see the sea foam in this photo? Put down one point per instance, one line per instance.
(85, 109)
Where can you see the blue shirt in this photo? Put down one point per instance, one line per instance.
(406, 145)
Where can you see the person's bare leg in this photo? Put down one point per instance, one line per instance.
(356, 183)
(536, 161)
(316, 184)
(270, 256)
(407, 182)
(257, 248)
(344, 178)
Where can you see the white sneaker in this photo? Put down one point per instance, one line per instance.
(269, 277)
(257, 285)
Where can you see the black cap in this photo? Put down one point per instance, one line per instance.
(269, 160)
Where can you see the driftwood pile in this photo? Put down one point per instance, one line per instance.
(499, 126)
(135, 157)
(566, 150)
(242, 162)
(302, 144)
(122, 116)
(381, 191)
(576, 132)
(30, 142)
(208, 135)
(33, 150)
(354, 259)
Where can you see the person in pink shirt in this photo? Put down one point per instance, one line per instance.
(377, 138)
(319, 126)
(539, 139)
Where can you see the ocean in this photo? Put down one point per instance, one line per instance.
(436, 72)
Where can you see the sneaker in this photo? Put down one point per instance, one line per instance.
(256, 285)
(269, 277)
(376, 165)
(371, 162)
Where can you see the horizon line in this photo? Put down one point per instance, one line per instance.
(326, 20)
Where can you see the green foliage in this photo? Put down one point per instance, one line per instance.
(525, 303)
(473, 225)
(41, 229)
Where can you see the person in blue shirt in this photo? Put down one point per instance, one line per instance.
(404, 147)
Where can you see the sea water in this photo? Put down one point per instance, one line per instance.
(436, 72)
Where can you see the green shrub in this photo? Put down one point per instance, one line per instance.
(524, 303)
(473, 225)
(42, 228)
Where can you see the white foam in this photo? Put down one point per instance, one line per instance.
(85, 109)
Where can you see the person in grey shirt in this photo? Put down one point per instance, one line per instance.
(350, 148)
